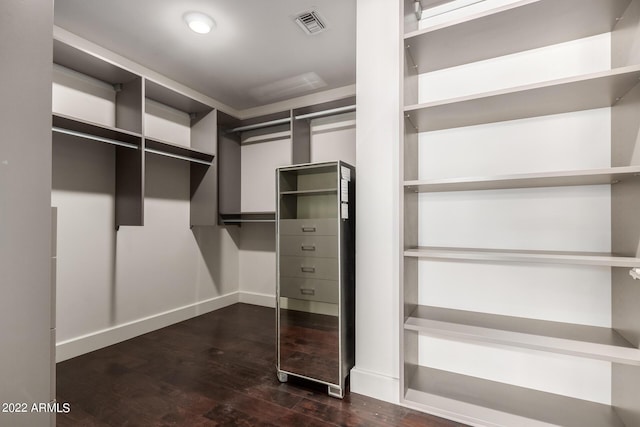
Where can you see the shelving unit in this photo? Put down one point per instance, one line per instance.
(290, 123)
(514, 28)
(315, 260)
(199, 153)
(128, 135)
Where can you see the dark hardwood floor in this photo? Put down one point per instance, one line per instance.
(214, 370)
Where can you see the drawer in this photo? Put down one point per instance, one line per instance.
(309, 289)
(309, 267)
(309, 227)
(309, 246)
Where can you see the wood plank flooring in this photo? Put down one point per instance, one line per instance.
(217, 369)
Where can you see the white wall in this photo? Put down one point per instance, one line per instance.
(377, 235)
(334, 138)
(562, 219)
(114, 285)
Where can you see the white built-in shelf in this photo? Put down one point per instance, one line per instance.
(556, 337)
(545, 179)
(309, 192)
(94, 131)
(174, 98)
(516, 27)
(180, 152)
(491, 403)
(595, 90)
(527, 256)
(90, 64)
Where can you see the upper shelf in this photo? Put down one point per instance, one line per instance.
(517, 27)
(174, 99)
(595, 90)
(546, 179)
(94, 131)
(90, 64)
(562, 338)
(529, 256)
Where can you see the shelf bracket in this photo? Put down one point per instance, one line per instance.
(410, 57)
(413, 125)
(635, 273)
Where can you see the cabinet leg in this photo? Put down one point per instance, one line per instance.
(282, 377)
(334, 391)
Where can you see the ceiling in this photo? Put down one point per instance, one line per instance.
(256, 55)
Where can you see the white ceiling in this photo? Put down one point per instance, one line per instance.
(255, 45)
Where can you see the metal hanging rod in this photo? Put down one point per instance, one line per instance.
(94, 137)
(177, 156)
(330, 112)
(261, 125)
(238, 221)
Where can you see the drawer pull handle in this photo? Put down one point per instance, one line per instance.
(308, 269)
(308, 248)
(305, 291)
(308, 229)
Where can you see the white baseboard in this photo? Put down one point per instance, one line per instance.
(375, 385)
(106, 337)
(265, 300)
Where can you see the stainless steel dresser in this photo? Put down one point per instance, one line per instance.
(315, 313)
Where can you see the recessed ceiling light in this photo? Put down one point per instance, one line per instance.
(199, 22)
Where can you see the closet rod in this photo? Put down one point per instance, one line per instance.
(177, 156)
(244, 221)
(330, 112)
(261, 125)
(94, 138)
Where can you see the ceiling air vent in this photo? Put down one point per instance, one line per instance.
(310, 22)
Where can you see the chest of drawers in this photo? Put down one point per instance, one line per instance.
(316, 273)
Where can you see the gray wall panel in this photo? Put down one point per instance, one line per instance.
(25, 199)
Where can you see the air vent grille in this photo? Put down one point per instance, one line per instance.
(311, 22)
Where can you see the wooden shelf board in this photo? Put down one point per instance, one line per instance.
(596, 90)
(517, 27)
(527, 256)
(89, 64)
(176, 149)
(545, 179)
(556, 337)
(173, 98)
(483, 402)
(95, 129)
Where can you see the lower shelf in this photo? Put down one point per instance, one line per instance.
(247, 217)
(488, 403)
(564, 338)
